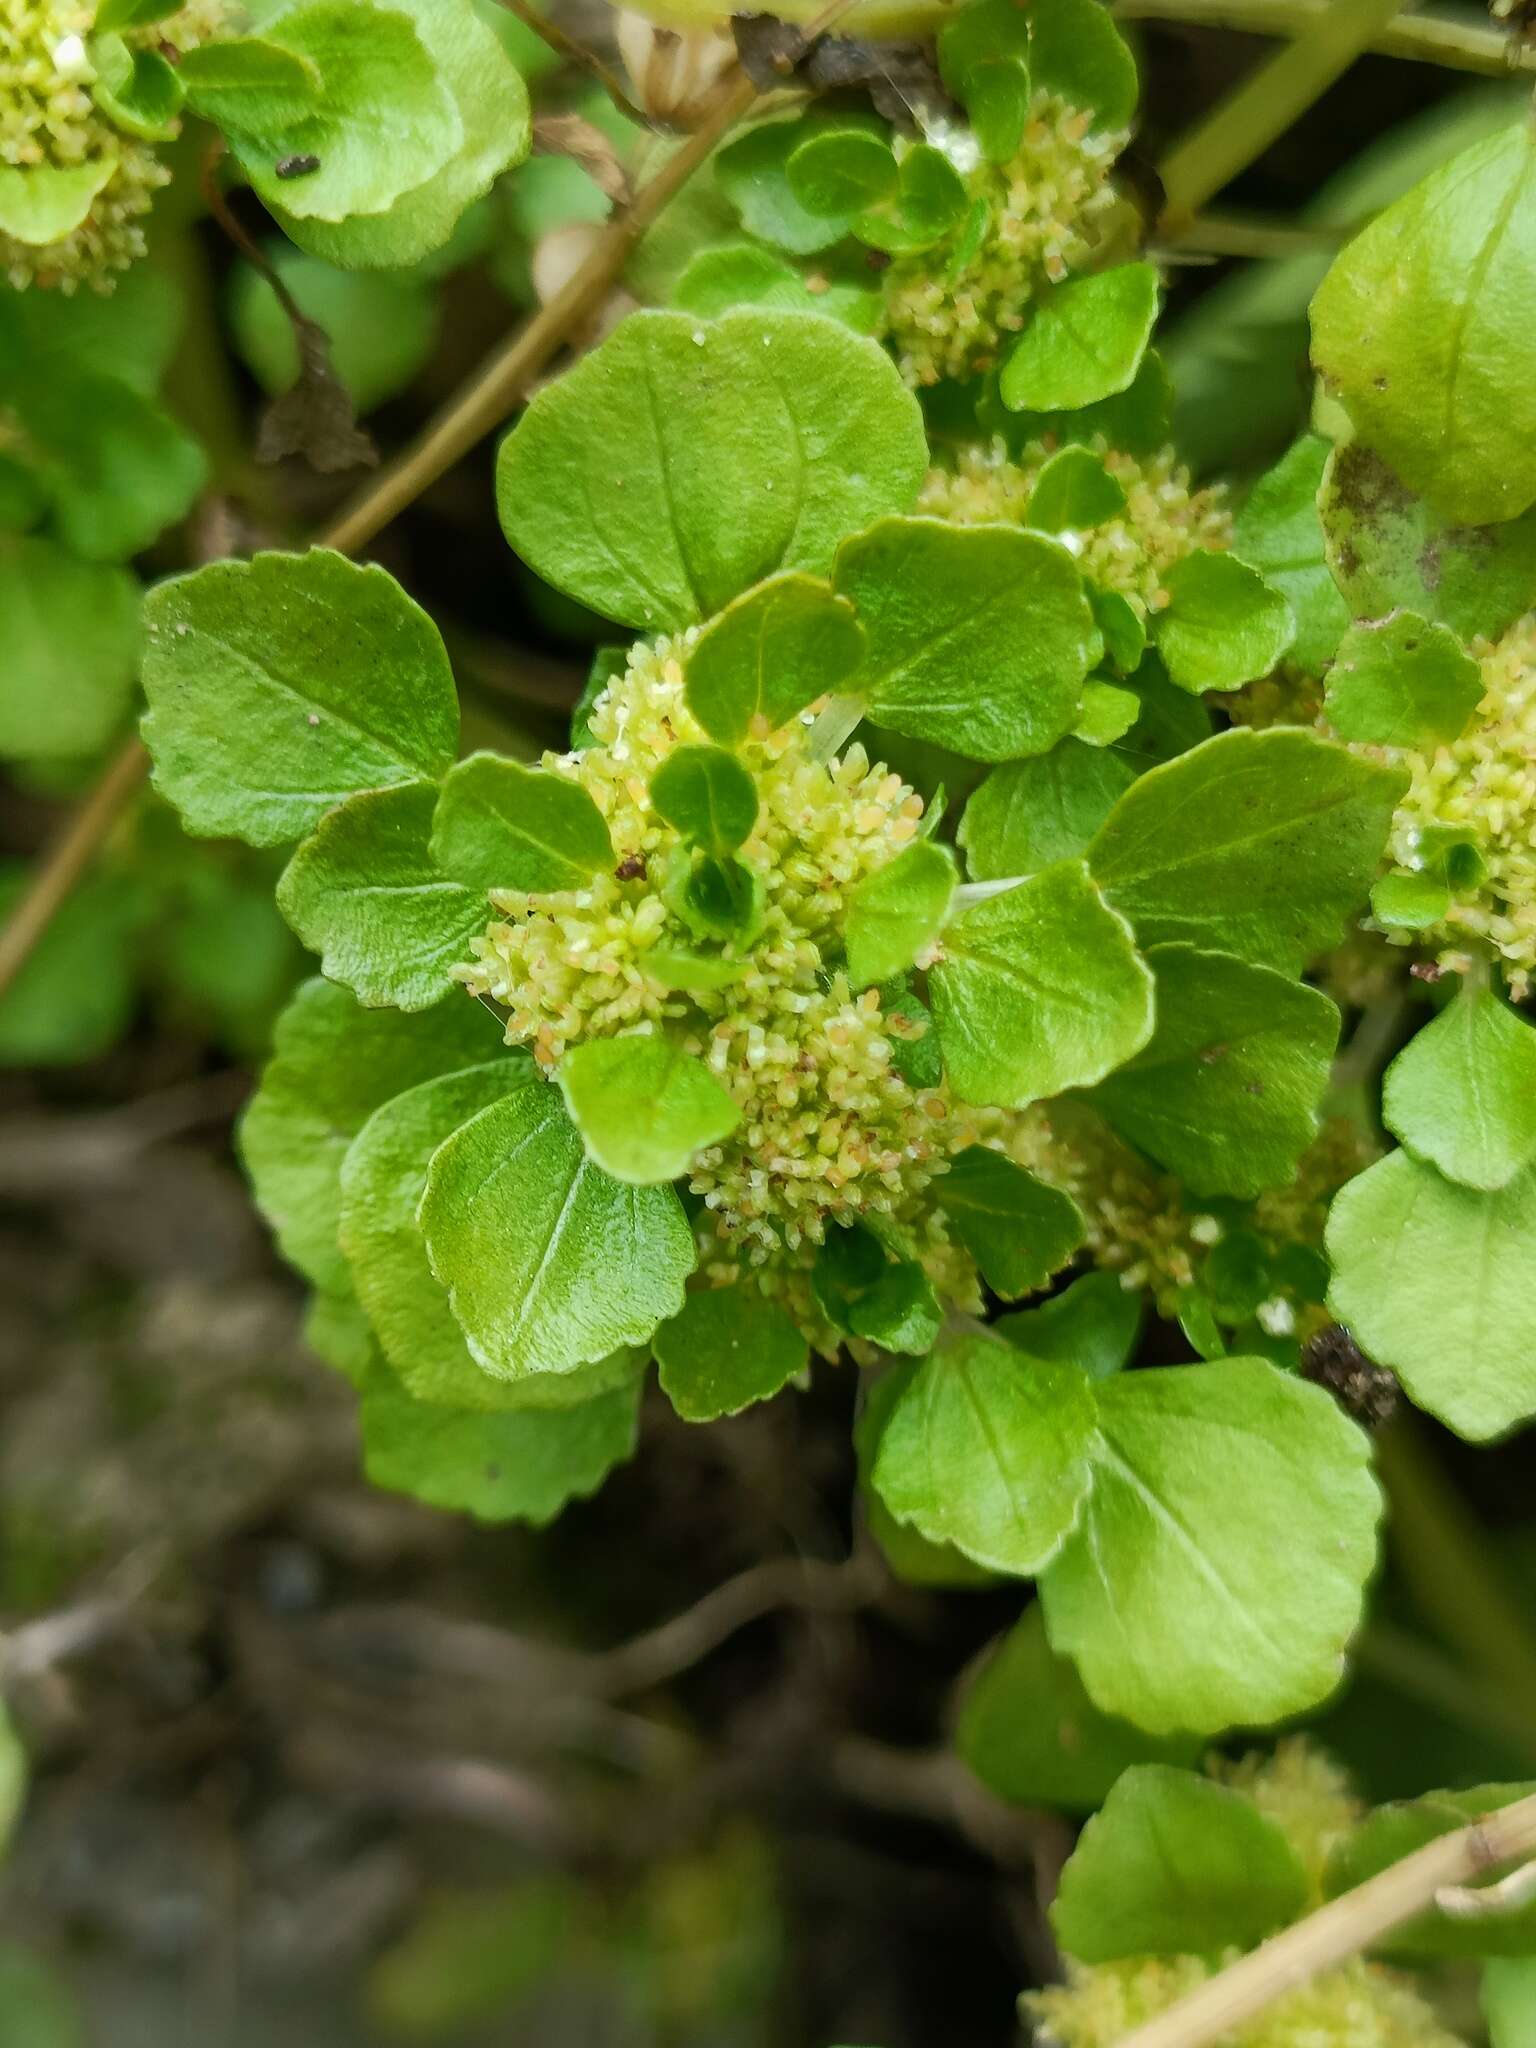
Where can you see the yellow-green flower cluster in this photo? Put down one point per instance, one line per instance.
(1143, 1223)
(950, 310)
(49, 121)
(1483, 786)
(1359, 2005)
(1164, 518)
(831, 1130)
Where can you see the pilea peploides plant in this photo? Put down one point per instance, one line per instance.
(928, 961)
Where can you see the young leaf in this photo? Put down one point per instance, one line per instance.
(769, 654)
(728, 1348)
(778, 434)
(41, 203)
(1017, 1229)
(499, 825)
(281, 685)
(1462, 1093)
(643, 1106)
(333, 1064)
(495, 132)
(364, 892)
(66, 693)
(1082, 343)
(136, 89)
(1077, 52)
(1222, 626)
(519, 1467)
(1174, 1865)
(1280, 533)
(1255, 843)
(1417, 323)
(246, 85)
(1410, 903)
(900, 1312)
(1123, 627)
(550, 1264)
(1387, 548)
(707, 795)
(910, 1556)
(1033, 1736)
(978, 637)
(1226, 1093)
(746, 274)
(1392, 1832)
(1074, 491)
(931, 200)
(1094, 1323)
(840, 171)
(984, 61)
(1401, 682)
(1220, 1565)
(988, 1451)
(752, 171)
(1030, 813)
(1438, 1281)
(382, 1178)
(1107, 715)
(897, 911)
(1040, 989)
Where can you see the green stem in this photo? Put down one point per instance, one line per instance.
(1420, 1672)
(1422, 39)
(1449, 1566)
(1265, 105)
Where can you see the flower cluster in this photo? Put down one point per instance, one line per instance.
(1358, 2005)
(831, 1127)
(1164, 519)
(949, 310)
(50, 121)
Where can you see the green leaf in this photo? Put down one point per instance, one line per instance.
(495, 133)
(684, 460)
(1392, 1832)
(910, 1556)
(1040, 989)
(988, 1451)
(281, 685)
(643, 1106)
(1030, 813)
(1123, 627)
(1438, 1282)
(1509, 2002)
(1388, 549)
(1219, 1568)
(1107, 715)
(71, 650)
(1033, 1736)
(382, 329)
(1136, 420)
(136, 89)
(13, 1783)
(897, 911)
(768, 655)
(717, 898)
(1410, 902)
(984, 61)
(931, 200)
(706, 795)
(1074, 491)
(1175, 1866)
(841, 171)
(861, 1291)
(44, 202)
(1017, 1229)
(1280, 533)
(550, 1263)
(1084, 342)
(1226, 1092)
(500, 825)
(1077, 51)
(73, 997)
(752, 171)
(1401, 682)
(747, 274)
(1094, 1324)
(1462, 1093)
(384, 123)
(978, 637)
(382, 1178)
(333, 1064)
(117, 14)
(519, 1467)
(1223, 625)
(1417, 325)
(248, 85)
(365, 894)
(728, 1348)
(1255, 843)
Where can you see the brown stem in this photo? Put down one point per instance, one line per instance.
(578, 54)
(1342, 1929)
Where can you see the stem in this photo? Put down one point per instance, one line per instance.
(578, 54)
(1445, 1559)
(1342, 1929)
(1275, 95)
(1422, 39)
(1224, 234)
(833, 724)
